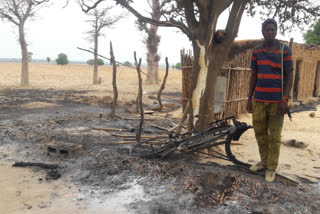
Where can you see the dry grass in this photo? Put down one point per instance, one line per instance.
(79, 77)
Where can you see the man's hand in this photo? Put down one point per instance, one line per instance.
(284, 106)
(249, 105)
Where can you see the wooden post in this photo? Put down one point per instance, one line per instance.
(291, 43)
(140, 92)
(186, 67)
(163, 85)
(114, 81)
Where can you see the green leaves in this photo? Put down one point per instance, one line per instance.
(313, 36)
(62, 59)
(91, 62)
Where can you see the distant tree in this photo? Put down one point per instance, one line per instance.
(127, 63)
(91, 62)
(18, 12)
(99, 19)
(62, 59)
(48, 59)
(313, 36)
(152, 41)
(178, 65)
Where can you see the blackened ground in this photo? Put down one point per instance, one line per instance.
(106, 169)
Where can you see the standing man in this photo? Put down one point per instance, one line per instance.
(268, 97)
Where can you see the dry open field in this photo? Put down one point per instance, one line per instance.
(79, 77)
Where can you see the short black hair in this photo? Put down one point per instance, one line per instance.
(269, 21)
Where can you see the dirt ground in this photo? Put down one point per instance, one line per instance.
(62, 105)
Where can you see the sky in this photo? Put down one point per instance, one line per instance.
(61, 30)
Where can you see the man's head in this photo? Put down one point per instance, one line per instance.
(269, 29)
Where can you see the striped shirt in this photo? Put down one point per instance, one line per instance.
(268, 67)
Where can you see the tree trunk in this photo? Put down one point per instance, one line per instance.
(153, 44)
(156, 68)
(210, 52)
(24, 54)
(153, 65)
(149, 68)
(95, 66)
(203, 82)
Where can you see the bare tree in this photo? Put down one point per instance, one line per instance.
(152, 42)
(18, 12)
(99, 19)
(198, 20)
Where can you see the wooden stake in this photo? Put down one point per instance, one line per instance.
(114, 81)
(163, 85)
(140, 92)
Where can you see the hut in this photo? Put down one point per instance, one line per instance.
(233, 80)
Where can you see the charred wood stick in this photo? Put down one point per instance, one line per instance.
(126, 142)
(139, 119)
(42, 165)
(114, 81)
(306, 180)
(119, 117)
(134, 141)
(154, 138)
(163, 139)
(163, 85)
(160, 128)
(111, 129)
(129, 139)
(139, 102)
(142, 136)
(316, 177)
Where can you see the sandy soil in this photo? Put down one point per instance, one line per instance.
(25, 191)
(294, 162)
(61, 105)
(303, 162)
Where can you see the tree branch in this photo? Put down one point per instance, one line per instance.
(234, 20)
(85, 8)
(190, 15)
(141, 18)
(8, 17)
(294, 4)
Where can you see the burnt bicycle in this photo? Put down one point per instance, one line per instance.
(220, 132)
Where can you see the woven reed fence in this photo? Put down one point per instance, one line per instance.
(235, 90)
(308, 80)
(186, 66)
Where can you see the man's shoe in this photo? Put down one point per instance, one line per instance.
(255, 168)
(270, 175)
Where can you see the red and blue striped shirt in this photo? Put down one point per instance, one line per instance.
(268, 67)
